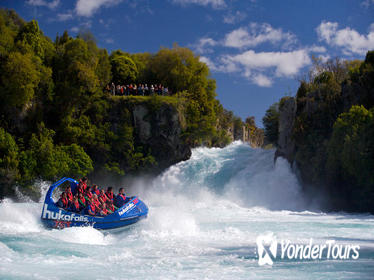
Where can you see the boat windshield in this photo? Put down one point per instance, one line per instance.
(56, 194)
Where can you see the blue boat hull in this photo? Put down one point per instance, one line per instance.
(55, 217)
(60, 224)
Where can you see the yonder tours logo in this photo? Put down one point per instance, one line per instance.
(267, 247)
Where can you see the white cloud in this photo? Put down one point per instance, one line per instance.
(109, 40)
(261, 80)
(236, 17)
(216, 4)
(324, 58)
(50, 4)
(64, 16)
(208, 62)
(75, 29)
(227, 65)
(88, 7)
(257, 34)
(285, 63)
(258, 67)
(204, 45)
(317, 49)
(348, 39)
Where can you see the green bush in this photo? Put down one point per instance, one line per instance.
(351, 156)
(45, 160)
(9, 158)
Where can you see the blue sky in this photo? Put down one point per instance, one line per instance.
(255, 49)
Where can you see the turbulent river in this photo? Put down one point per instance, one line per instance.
(204, 217)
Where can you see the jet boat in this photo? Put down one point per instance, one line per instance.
(54, 217)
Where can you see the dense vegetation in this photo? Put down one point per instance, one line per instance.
(56, 118)
(333, 132)
(271, 123)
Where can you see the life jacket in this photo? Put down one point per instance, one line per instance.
(83, 184)
(109, 195)
(69, 195)
(82, 201)
(65, 202)
(97, 192)
(80, 188)
(97, 203)
(123, 196)
(89, 195)
(103, 197)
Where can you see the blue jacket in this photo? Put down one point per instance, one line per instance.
(120, 201)
(88, 207)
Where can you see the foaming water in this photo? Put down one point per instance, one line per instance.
(204, 217)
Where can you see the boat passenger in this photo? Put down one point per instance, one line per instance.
(120, 198)
(63, 202)
(74, 207)
(109, 193)
(103, 211)
(69, 194)
(96, 200)
(79, 189)
(110, 207)
(82, 185)
(102, 197)
(88, 194)
(82, 201)
(91, 208)
(95, 190)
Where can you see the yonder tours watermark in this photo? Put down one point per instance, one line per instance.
(267, 250)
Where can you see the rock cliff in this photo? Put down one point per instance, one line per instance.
(286, 143)
(156, 127)
(161, 130)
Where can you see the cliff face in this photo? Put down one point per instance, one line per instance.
(151, 128)
(286, 143)
(249, 133)
(161, 130)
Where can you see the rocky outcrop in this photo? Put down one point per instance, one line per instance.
(150, 129)
(161, 131)
(254, 136)
(286, 144)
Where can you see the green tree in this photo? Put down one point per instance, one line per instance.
(271, 123)
(43, 159)
(19, 79)
(142, 61)
(179, 69)
(9, 160)
(8, 31)
(351, 156)
(103, 68)
(75, 75)
(31, 39)
(124, 69)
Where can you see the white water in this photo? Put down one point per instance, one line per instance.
(205, 215)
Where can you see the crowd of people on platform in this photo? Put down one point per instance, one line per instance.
(91, 200)
(140, 89)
